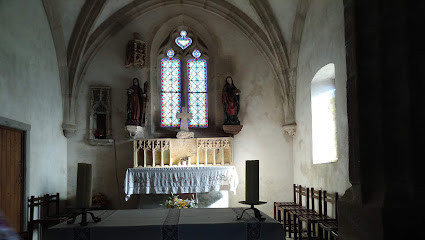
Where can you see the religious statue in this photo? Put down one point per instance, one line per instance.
(230, 99)
(136, 51)
(136, 104)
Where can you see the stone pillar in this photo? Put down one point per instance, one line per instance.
(386, 118)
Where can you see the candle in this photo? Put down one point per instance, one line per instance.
(252, 182)
(84, 188)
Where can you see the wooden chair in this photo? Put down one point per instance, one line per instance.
(288, 224)
(276, 213)
(294, 214)
(329, 226)
(312, 220)
(41, 214)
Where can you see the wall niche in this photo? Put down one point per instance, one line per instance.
(100, 133)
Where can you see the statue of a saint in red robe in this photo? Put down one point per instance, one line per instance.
(230, 99)
(135, 104)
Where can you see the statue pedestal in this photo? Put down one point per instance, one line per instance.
(232, 129)
(134, 131)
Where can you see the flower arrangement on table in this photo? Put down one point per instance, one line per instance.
(100, 201)
(175, 202)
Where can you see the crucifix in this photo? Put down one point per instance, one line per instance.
(184, 116)
(184, 128)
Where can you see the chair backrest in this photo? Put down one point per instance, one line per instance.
(296, 192)
(34, 205)
(316, 194)
(51, 200)
(43, 206)
(304, 193)
(331, 198)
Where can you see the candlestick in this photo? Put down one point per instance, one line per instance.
(252, 182)
(84, 185)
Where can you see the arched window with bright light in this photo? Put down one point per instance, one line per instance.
(197, 90)
(190, 81)
(323, 115)
(170, 90)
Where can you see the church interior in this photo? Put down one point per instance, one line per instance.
(326, 92)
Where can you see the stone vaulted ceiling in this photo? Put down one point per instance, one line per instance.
(80, 28)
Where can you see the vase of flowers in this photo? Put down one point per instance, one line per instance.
(184, 161)
(175, 202)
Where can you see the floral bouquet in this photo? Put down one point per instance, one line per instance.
(175, 202)
(100, 201)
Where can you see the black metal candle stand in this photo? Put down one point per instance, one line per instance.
(83, 214)
(256, 211)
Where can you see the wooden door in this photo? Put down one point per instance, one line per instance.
(11, 175)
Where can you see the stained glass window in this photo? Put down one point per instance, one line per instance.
(170, 90)
(197, 90)
(183, 41)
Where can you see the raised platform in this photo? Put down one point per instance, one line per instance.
(189, 224)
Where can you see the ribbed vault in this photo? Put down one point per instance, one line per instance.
(85, 43)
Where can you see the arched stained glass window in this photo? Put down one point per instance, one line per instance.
(170, 90)
(197, 90)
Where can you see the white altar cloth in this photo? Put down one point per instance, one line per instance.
(166, 180)
(161, 224)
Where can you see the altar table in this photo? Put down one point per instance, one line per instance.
(166, 180)
(176, 224)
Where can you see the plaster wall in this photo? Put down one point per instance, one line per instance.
(30, 92)
(246, 7)
(111, 6)
(232, 53)
(68, 12)
(322, 43)
(284, 12)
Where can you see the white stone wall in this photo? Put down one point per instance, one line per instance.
(285, 12)
(261, 112)
(322, 43)
(68, 12)
(30, 92)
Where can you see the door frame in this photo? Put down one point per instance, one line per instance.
(26, 128)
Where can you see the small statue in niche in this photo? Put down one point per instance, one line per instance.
(136, 104)
(136, 51)
(230, 99)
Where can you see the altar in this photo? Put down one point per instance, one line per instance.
(160, 224)
(189, 179)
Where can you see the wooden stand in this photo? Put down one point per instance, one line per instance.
(84, 218)
(256, 211)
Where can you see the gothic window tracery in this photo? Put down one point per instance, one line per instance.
(100, 132)
(197, 90)
(192, 80)
(170, 90)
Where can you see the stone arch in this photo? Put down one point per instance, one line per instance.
(60, 49)
(160, 40)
